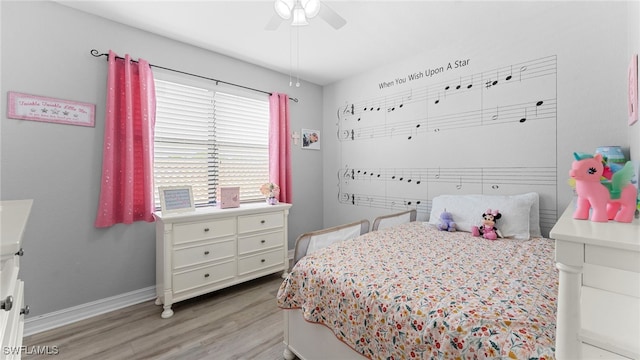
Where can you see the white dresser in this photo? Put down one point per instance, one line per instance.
(599, 289)
(13, 220)
(208, 249)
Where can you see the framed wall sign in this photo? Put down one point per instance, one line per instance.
(39, 108)
(176, 199)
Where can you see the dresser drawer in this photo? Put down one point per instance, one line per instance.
(260, 242)
(198, 254)
(592, 353)
(612, 257)
(250, 223)
(9, 278)
(202, 230)
(260, 261)
(12, 334)
(606, 320)
(203, 276)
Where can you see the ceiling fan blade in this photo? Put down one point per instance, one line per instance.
(331, 17)
(274, 23)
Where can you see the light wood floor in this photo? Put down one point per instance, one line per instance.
(241, 322)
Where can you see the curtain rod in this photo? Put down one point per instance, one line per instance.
(96, 53)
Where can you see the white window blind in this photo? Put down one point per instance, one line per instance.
(209, 139)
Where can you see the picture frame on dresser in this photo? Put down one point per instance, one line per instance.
(176, 199)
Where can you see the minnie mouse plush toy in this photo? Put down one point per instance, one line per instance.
(488, 229)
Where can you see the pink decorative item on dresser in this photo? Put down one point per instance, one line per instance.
(607, 200)
(229, 197)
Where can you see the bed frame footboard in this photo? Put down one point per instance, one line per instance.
(309, 341)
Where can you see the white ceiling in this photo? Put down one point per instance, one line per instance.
(376, 33)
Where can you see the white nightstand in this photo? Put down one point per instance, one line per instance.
(599, 291)
(13, 220)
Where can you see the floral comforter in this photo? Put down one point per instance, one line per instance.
(413, 292)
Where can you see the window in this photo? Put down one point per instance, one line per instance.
(210, 139)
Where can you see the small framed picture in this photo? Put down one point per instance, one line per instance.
(229, 197)
(310, 139)
(175, 199)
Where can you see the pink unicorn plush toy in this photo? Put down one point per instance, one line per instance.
(608, 200)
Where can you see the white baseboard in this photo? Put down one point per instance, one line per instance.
(40, 323)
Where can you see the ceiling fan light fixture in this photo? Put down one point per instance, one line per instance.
(283, 8)
(299, 17)
(311, 8)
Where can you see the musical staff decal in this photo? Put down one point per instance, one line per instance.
(488, 132)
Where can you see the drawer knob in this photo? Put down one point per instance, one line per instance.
(20, 252)
(206, 229)
(263, 241)
(263, 260)
(206, 275)
(7, 304)
(206, 252)
(25, 310)
(262, 221)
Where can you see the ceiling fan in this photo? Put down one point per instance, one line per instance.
(301, 10)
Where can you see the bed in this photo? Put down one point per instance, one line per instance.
(411, 291)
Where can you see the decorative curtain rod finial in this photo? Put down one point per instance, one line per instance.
(96, 53)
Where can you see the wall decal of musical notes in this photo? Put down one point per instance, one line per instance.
(489, 132)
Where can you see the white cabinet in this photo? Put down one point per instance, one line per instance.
(209, 249)
(599, 288)
(13, 220)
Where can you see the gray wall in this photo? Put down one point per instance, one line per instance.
(593, 42)
(45, 51)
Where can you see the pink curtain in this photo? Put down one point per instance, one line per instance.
(280, 145)
(126, 193)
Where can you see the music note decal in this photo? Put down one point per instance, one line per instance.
(495, 116)
(522, 69)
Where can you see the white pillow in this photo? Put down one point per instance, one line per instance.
(534, 216)
(467, 211)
